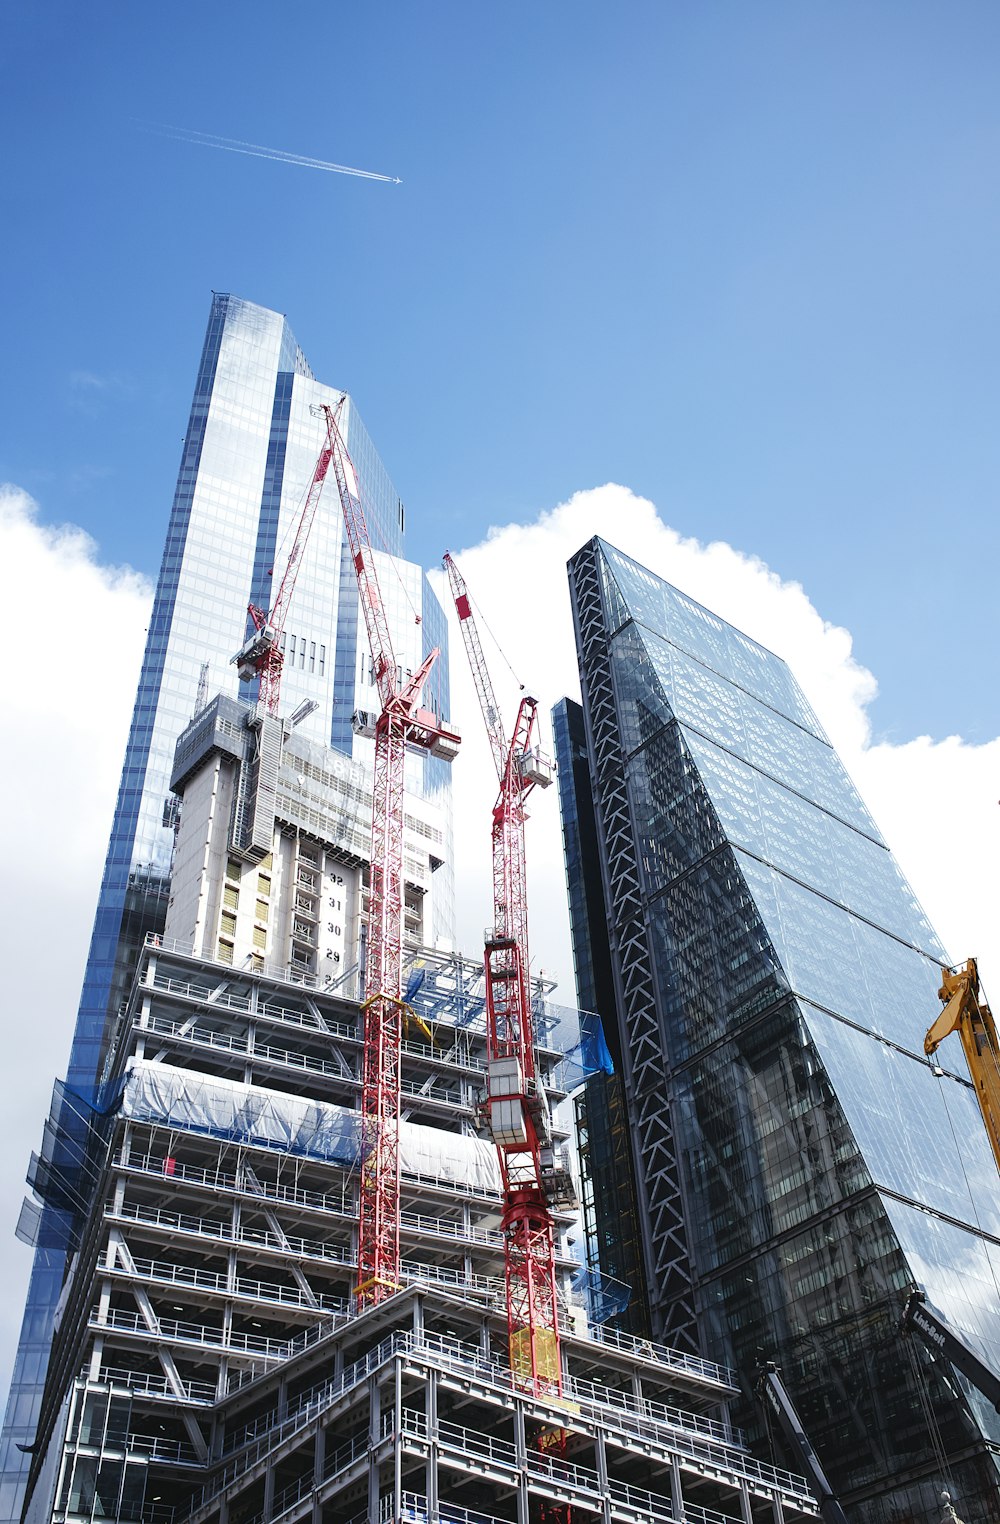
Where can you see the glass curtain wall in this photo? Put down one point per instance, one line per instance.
(798, 1162)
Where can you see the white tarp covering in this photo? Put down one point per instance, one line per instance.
(250, 1114)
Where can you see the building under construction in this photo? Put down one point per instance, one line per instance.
(212, 1361)
(209, 1363)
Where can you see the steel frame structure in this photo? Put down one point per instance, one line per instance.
(661, 1212)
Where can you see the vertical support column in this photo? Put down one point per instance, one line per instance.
(521, 1452)
(397, 1440)
(601, 1453)
(431, 1465)
(319, 1465)
(676, 1490)
(374, 1439)
(235, 1227)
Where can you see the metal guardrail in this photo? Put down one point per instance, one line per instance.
(700, 1439)
(151, 1385)
(556, 1074)
(663, 1354)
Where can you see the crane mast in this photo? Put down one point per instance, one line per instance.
(262, 656)
(402, 722)
(515, 1101)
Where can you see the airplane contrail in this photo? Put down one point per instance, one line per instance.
(258, 151)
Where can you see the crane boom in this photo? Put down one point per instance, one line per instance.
(477, 662)
(943, 1340)
(969, 1015)
(403, 722)
(776, 1402)
(261, 655)
(515, 1106)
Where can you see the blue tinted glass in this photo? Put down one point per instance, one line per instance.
(921, 1135)
(959, 1271)
(809, 844)
(706, 637)
(845, 964)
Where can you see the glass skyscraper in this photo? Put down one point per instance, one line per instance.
(248, 456)
(766, 976)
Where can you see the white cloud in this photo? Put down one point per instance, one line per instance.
(75, 633)
(935, 800)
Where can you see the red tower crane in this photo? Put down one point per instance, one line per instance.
(403, 722)
(262, 656)
(515, 1102)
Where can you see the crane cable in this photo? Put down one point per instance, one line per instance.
(481, 619)
(927, 1408)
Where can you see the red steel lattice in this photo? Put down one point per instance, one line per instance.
(402, 722)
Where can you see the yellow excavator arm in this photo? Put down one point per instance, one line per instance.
(969, 1015)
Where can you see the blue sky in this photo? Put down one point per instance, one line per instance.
(738, 257)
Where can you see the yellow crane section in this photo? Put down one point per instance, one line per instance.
(969, 1015)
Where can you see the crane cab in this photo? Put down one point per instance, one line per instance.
(253, 654)
(445, 745)
(535, 768)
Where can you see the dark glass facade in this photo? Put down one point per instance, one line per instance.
(798, 1163)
